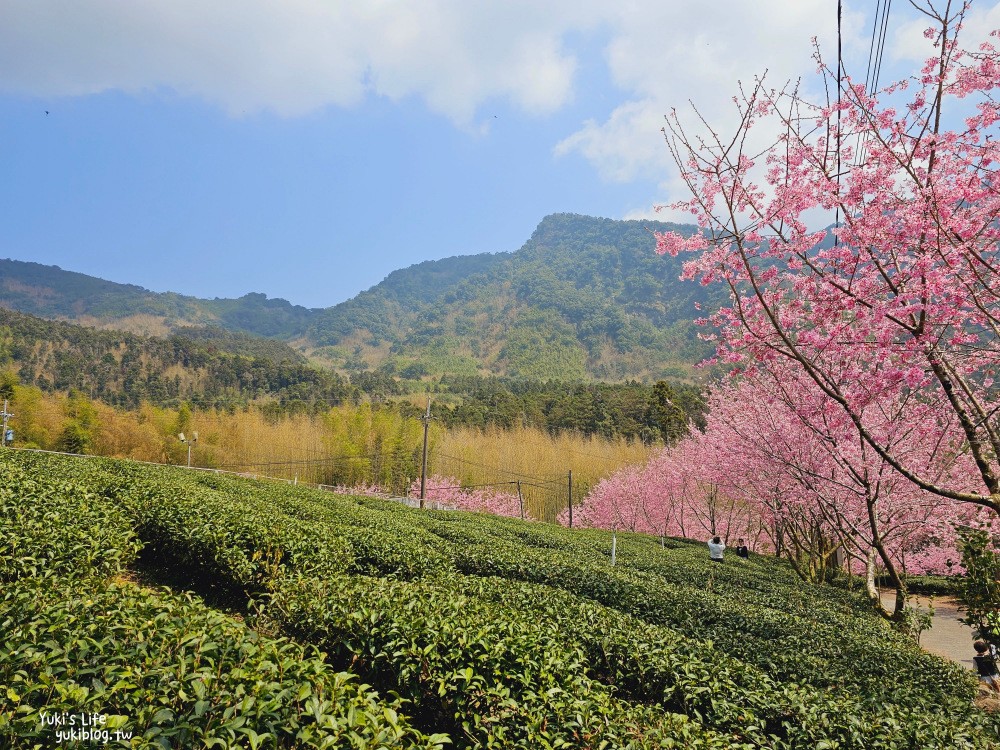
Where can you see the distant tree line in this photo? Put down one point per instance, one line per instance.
(214, 368)
(636, 411)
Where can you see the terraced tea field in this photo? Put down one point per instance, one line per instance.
(160, 607)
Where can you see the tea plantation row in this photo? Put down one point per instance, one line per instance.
(494, 632)
(161, 669)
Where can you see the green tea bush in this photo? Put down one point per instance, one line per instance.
(474, 669)
(654, 664)
(235, 539)
(381, 543)
(757, 612)
(57, 528)
(503, 633)
(170, 673)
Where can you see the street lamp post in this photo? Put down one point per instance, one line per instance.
(189, 441)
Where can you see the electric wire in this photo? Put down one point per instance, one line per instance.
(876, 54)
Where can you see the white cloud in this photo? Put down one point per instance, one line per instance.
(293, 56)
(626, 145)
(909, 44)
(669, 54)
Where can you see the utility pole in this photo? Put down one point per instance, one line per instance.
(520, 498)
(6, 415)
(571, 498)
(423, 464)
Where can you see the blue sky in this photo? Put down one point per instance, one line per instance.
(306, 148)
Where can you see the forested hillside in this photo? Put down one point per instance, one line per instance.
(214, 368)
(51, 292)
(584, 298)
(208, 366)
(660, 412)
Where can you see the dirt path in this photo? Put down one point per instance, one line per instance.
(947, 636)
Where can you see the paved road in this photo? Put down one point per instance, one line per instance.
(947, 636)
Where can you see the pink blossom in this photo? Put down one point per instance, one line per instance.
(896, 323)
(448, 492)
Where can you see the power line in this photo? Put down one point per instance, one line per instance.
(497, 469)
(472, 486)
(876, 52)
(300, 462)
(327, 460)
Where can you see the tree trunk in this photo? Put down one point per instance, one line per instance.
(896, 614)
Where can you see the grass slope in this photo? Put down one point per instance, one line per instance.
(360, 623)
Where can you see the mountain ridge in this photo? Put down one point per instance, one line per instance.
(583, 298)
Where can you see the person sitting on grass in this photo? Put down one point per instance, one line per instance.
(715, 549)
(742, 550)
(986, 664)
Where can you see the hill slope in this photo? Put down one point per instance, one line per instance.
(583, 298)
(495, 632)
(203, 365)
(51, 292)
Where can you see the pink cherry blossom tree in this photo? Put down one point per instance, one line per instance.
(448, 492)
(677, 493)
(780, 459)
(788, 449)
(893, 315)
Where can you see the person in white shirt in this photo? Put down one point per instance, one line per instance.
(715, 549)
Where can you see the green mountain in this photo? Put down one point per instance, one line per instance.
(51, 292)
(584, 298)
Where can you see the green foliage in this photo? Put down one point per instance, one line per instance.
(161, 667)
(667, 412)
(255, 314)
(59, 529)
(122, 369)
(629, 410)
(979, 588)
(215, 339)
(489, 675)
(914, 622)
(78, 432)
(172, 673)
(229, 537)
(924, 585)
(540, 346)
(75, 438)
(8, 382)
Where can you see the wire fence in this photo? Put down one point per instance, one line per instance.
(397, 477)
(397, 474)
